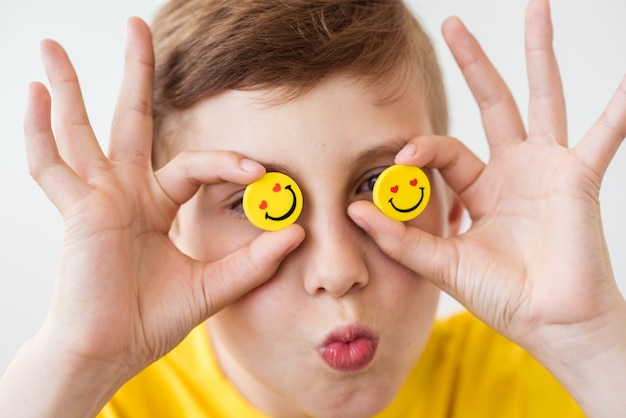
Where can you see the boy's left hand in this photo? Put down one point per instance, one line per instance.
(534, 264)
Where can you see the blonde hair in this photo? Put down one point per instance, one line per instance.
(204, 47)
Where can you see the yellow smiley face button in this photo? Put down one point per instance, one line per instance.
(402, 192)
(272, 202)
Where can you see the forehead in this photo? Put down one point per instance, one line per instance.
(339, 121)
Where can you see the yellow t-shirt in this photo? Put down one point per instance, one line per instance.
(467, 370)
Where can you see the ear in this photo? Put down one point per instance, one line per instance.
(456, 211)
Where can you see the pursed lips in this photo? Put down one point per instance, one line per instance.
(349, 349)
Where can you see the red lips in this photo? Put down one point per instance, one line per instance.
(349, 349)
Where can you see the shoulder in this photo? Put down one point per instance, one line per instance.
(466, 338)
(485, 372)
(186, 382)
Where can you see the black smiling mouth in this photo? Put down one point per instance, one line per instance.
(411, 209)
(292, 209)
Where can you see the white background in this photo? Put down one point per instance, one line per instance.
(590, 39)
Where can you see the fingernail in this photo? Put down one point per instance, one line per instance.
(251, 166)
(407, 152)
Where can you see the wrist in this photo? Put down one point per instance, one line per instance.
(590, 362)
(44, 379)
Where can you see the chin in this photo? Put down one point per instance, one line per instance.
(363, 404)
(365, 409)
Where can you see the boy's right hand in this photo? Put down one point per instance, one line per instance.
(125, 294)
(534, 265)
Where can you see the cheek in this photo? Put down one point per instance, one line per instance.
(256, 313)
(412, 307)
(404, 299)
(267, 332)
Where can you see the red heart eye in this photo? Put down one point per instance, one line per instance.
(394, 189)
(263, 205)
(276, 187)
(414, 182)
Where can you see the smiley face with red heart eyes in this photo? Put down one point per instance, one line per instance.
(402, 192)
(273, 202)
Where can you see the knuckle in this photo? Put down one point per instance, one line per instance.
(608, 122)
(35, 172)
(142, 106)
(79, 121)
(39, 169)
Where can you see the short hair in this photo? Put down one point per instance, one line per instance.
(204, 47)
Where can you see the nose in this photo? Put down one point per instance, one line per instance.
(335, 256)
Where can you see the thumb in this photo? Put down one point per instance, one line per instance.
(226, 280)
(431, 257)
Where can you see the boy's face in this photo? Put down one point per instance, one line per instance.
(339, 327)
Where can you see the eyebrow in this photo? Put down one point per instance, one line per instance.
(384, 150)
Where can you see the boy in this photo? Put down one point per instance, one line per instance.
(330, 316)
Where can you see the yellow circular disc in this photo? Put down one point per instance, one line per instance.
(272, 202)
(402, 192)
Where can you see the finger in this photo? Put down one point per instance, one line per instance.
(599, 145)
(75, 138)
(60, 183)
(131, 133)
(230, 278)
(501, 118)
(547, 117)
(459, 166)
(431, 257)
(181, 178)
